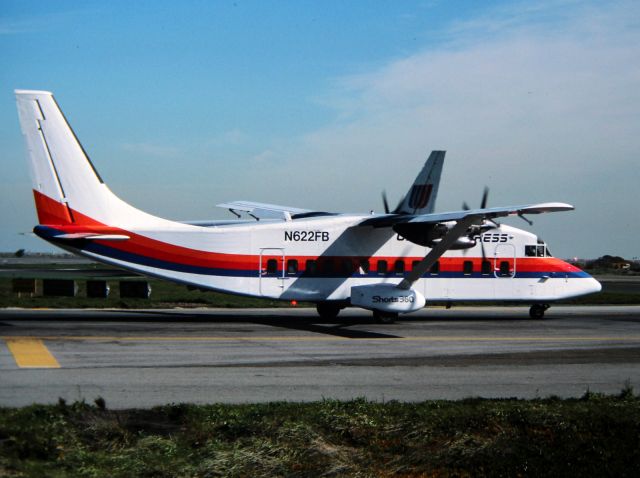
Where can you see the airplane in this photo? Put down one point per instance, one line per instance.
(390, 263)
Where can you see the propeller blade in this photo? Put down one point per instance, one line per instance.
(465, 206)
(485, 197)
(385, 203)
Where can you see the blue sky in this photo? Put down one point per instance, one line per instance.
(182, 105)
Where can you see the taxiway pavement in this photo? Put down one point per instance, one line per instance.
(142, 358)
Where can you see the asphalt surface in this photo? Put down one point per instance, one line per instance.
(146, 358)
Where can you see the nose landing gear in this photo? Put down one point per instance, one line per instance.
(537, 310)
(384, 317)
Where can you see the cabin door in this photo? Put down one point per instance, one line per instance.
(504, 261)
(272, 272)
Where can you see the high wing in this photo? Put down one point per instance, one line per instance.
(390, 220)
(442, 231)
(259, 210)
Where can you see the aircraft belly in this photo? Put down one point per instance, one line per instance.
(439, 289)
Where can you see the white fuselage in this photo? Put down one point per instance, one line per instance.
(321, 259)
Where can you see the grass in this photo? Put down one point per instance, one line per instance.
(164, 295)
(168, 295)
(593, 436)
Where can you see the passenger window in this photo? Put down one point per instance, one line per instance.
(347, 267)
(486, 268)
(382, 267)
(364, 265)
(414, 264)
(504, 269)
(272, 266)
(292, 266)
(311, 267)
(435, 269)
(467, 268)
(398, 267)
(327, 267)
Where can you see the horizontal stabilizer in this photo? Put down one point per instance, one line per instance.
(91, 236)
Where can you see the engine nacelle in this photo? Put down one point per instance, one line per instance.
(387, 298)
(463, 242)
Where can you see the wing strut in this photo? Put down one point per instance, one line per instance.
(439, 249)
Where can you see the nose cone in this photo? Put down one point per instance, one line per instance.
(592, 286)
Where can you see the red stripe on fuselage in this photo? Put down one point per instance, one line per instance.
(142, 245)
(56, 216)
(51, 211)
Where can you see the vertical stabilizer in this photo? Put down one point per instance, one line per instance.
(421, 198)
(67, 188)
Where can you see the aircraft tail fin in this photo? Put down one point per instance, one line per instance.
(67, 188)
(421, 198)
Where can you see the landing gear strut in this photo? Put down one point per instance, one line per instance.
(328, 310)
(537, 311)
(384, 317)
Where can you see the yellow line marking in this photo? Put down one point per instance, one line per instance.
(330, 338)
(31, 353)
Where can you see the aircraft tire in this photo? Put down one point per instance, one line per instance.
(537, 311)
(328, 310)
(384, 318)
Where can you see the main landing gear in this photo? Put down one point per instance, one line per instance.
(328, 310)
(537, 310)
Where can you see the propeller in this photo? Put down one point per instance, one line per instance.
(385, 203)
(485, 197)
(477, 230)
(483, 201)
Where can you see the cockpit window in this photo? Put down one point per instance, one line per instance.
(539, 250)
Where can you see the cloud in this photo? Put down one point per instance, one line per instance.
(231, 137)
(264, 156)
(153, 150)
(39, 22)
(540, 103)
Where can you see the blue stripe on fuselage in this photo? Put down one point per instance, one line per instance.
(110, 252)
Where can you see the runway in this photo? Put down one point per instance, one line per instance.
(142, 358)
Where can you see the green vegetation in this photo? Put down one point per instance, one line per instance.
(164, 295)
(592, 436)
(167, 294)
(606, 298)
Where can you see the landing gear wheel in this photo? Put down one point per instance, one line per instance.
(327, 310)
(384, 317)
(537, 311)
